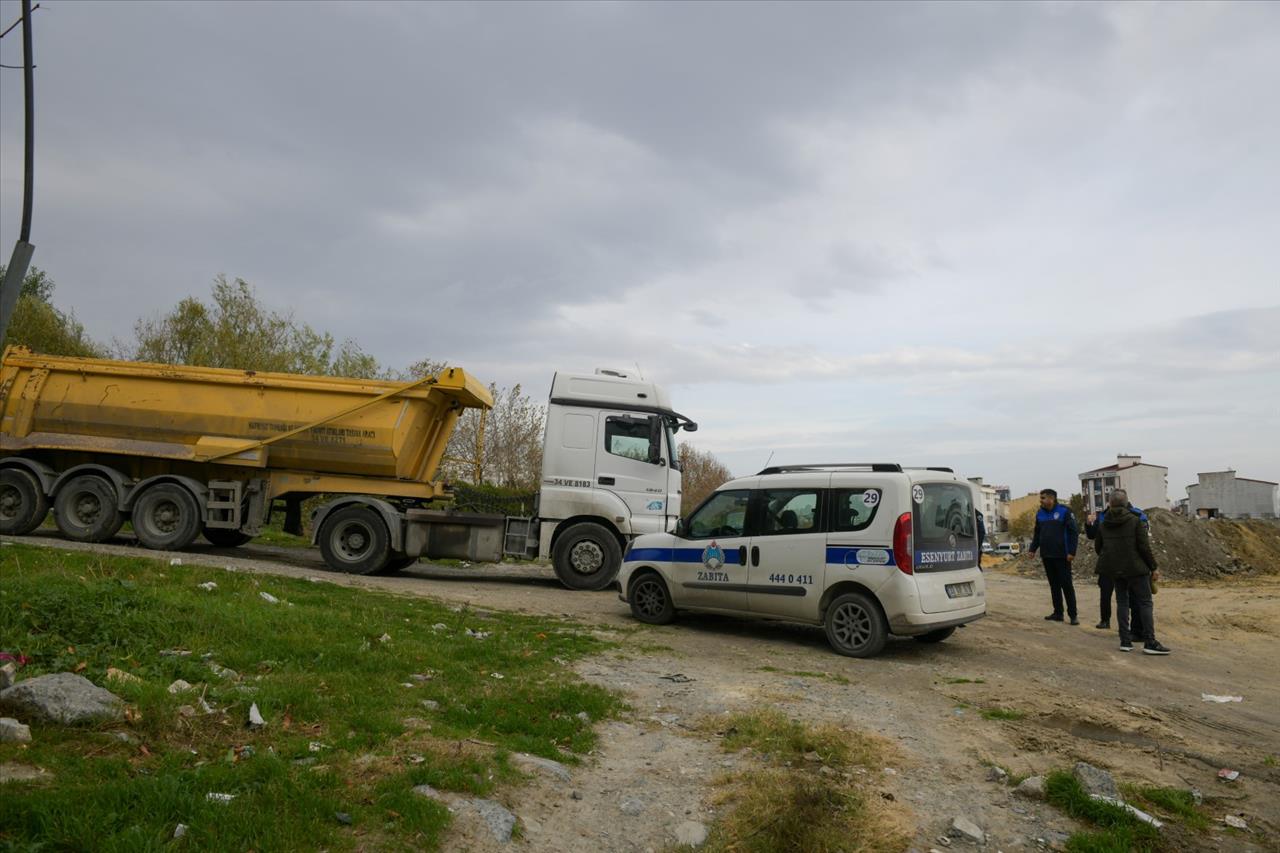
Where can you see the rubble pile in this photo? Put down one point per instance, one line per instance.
(1192, 549)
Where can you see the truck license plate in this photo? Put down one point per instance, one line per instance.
(959, 590)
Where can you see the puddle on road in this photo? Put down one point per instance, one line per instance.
(1099, 733)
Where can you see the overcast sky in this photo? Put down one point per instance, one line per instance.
(1013, 238)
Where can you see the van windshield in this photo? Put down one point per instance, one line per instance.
(945, 527)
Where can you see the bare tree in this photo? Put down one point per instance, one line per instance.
(701, 474)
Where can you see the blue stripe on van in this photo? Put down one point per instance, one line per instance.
(678, 555)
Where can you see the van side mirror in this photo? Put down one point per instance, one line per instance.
(679, 529)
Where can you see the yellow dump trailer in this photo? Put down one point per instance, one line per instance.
(182, 451)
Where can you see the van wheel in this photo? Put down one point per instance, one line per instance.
(936, 636)
(651, 600)
(23, 505)
(86, 509)
(855, 626)
(355, 540)
(166, 517)
(225, 537)
(587, 556)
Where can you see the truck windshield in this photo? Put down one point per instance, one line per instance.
(945, 527)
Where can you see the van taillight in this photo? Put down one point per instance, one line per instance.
(902, 544)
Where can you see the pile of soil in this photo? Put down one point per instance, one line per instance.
(1192, 548)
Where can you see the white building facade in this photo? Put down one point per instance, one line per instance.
(1222, 494)
(995, 512)
(1147, 484)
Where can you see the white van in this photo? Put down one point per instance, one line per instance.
(865, 550)
(1013, 548)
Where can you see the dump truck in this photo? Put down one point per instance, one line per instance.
(182, 452)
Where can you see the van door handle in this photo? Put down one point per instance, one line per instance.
(605, 481)
(755, 555)
(742, 555)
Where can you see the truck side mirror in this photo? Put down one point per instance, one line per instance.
(679, 529)
(655, 440)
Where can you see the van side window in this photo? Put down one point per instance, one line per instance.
(853, 509)
(628, 436)
(724, 514)
(784, 511)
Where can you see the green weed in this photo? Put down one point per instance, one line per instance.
(1120, 831)
(341, 676)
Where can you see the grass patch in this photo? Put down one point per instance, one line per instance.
(1173, 802)
(273, 534)
(1002, 714)
(964, 681)
(804, 673)
(1270, 761)
(1118, 830)
(802, 798)
(320, 673)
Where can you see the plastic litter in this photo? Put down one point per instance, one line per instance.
(497, 675)
(175, 561)
(1209, 697)
(255, 717)
(385, 638)
(1235, 822)
(179, 830)
(219, 798)
(208, 586)
(1228, 775)
(268, 598)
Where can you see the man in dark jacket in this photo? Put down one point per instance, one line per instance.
(1105, 584)
(1124, 554)
(1055, 537)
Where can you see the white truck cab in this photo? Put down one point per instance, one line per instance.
(866, 550)
(610, 472)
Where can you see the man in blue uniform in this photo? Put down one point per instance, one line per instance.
(1056, 537)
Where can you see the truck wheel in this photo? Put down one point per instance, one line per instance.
(23, 505)
(936, 636)
(587, 556)
(225, 537)
(166, 517)
(855, 626)
(355, 540)
(86, 509)
(398, 562)
(651, 600)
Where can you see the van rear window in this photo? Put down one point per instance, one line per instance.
(945, 527)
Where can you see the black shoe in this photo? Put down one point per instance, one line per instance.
(1154, 648)
(1075, 621)
(1053, 617)
(1126, 645)
(1103, 625)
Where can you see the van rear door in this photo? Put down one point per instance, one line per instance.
(945, 533)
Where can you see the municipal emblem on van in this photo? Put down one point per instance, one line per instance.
(951, 540)
(712, 556)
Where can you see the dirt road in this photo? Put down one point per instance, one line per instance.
(1079, 698)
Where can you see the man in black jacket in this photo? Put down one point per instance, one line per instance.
(1055, 537)
(1124, 554)
(1107, 585)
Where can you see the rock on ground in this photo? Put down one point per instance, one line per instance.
(62, 697)
(500, 821)
(691, 833)
(13, 772)
(12, 731)
(1032, 788)
(1096, 782)
(535, 762)
(962, 827)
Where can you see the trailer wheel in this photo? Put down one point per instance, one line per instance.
(587, 556)
(355, 540)
(166, 517)
(23, 505)
(86, 509)
(225, 537)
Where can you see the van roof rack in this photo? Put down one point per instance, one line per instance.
(884, 467)
(930, 468)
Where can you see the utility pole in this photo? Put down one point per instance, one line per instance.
(22, 250)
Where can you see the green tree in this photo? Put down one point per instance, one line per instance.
(1021, 528)
(701, 473)
(37, 324)
(236, 330)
